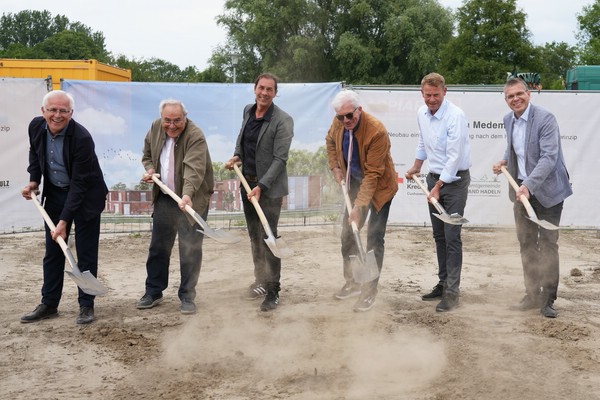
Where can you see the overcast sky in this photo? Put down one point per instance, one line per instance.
(185, 32)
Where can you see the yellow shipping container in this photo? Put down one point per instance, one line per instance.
(62, 69)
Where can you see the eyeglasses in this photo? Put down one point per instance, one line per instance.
(175, 122)
(61, 111)
(512, 96)
(347, 116)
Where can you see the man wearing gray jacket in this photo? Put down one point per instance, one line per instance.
(534, 158)
(262, 147)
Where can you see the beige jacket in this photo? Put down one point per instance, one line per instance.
(193, 166)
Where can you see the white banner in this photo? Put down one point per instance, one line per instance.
(20, 101)
(118, 114)
(488, 202)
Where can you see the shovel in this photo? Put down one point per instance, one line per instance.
(277, 245)
(532, 216)
(85, 280)
(452, 219)
(364, 266)
(218, 235)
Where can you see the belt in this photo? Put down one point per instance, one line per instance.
(62, 189)
(251, 178)
(459, 173)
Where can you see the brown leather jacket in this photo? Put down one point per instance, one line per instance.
(380, 182)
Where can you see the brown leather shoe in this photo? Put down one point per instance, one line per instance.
(41, 312)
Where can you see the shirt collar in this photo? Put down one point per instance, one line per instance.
(524, 116)
(61, 133)
(268, 115)
(439, 114)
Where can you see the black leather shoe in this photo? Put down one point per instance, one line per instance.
(528, 302)
(41, 312)
(86, 315)
(436, 293)
(548, 311)
(449, 302)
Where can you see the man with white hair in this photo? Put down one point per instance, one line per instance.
(62, 153)
(358, 148)
(176, 148)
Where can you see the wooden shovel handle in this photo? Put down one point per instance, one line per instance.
(178, 199)
(515, 186)
(433, 200)
(259, 210)
(60, 240)
(348, 205)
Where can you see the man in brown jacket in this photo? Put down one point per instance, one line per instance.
(176, 148)
(372, 183)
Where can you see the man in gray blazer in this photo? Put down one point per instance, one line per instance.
(262, 147)
(534, 158)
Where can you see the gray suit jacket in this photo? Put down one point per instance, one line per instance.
(272, 149)
(547, 176)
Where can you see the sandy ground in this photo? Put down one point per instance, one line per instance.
(312, 346)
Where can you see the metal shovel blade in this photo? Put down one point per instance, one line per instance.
(544, 224)
(530, 211)
(452, 219)
(216, 234)
(88, 283)
(85, 280)
(366, 271)
(533, 217)
(278, 247)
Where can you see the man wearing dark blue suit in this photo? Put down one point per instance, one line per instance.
(262, 147)
(62, 153)
(534, 157)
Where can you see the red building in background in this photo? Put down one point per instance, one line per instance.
(305, 193)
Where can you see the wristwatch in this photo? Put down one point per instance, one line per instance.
(439, 184)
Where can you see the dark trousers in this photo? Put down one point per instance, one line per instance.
(448, 243)
(87, 238)
(267, 267)
(168, 221)
(375, 237)
(539, 249)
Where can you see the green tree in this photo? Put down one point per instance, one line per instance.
(359, 41)
(556, 60)
(33, 34)
(492, 40)
(142, 186)
(119, 186)
(221, 173)
(589, 34)
(69, 45)
(158, 70)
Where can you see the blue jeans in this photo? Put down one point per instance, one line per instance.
(539, 249)
(168, 221)
(375, 238)
(267, 267)
(448, 243)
